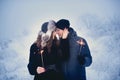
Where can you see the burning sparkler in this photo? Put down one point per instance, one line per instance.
(41, 52)
(81, 42)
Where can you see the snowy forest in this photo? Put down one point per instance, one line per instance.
(98, 21)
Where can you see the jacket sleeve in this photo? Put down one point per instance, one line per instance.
(32, 65)
(87, 54)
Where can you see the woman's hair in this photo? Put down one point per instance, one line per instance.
(38, 41)
(48, 43)
(45, 38)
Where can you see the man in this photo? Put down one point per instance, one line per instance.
(75, 52)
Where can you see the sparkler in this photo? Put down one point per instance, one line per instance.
(81, 42)
(41, 52)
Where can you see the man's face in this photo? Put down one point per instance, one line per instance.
(59, 32)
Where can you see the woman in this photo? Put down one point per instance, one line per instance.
(43, 54)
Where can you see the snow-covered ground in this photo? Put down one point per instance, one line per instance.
(98, 21)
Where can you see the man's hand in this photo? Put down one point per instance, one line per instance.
(65, 33)
(40, 70)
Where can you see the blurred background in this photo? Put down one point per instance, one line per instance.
(98, 21)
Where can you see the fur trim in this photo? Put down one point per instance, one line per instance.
(46, 36)
(51, 26)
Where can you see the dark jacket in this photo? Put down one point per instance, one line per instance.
(49, 60)
(70, 64)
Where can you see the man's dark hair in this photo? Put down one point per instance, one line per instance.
(62, 24)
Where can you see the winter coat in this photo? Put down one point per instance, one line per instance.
(49, 60)
(70, 65)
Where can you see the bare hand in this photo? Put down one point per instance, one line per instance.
(40, 70)
(54, 34)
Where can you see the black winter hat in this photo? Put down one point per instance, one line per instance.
(44, 27)
(62, 24)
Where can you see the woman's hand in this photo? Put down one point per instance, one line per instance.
(54, 34)
(40, 70)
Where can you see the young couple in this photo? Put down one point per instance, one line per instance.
(58, 53)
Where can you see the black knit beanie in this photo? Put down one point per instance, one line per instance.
(44, 27)
(62, 24)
